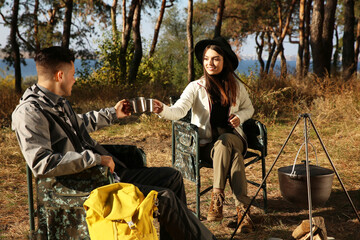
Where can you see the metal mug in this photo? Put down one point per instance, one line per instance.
(150, 104)
(138, 104)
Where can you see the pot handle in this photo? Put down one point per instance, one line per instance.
(292, 174)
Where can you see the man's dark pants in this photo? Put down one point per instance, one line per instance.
(176, 221)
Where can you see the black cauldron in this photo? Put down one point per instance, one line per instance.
(293, 184)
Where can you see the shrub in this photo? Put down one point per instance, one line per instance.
(8, 98)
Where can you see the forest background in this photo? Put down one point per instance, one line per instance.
(325, 83)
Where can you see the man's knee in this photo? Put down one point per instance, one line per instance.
(167, 200)
(174, 173)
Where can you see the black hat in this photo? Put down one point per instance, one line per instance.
(222, 43)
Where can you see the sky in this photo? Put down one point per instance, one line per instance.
(147, 28)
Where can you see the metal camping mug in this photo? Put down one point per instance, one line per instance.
(138, 104)
(150, 104)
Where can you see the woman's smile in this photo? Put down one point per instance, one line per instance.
(213, 62)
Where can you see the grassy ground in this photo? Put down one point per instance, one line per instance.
(335, 111)
(342, 140)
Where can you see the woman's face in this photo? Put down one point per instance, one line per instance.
(213, 62)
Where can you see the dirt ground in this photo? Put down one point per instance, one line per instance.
(279, 221)
(281, 217)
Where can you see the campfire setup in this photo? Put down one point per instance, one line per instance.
(305, 185)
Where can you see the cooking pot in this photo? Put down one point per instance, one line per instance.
(293, 184)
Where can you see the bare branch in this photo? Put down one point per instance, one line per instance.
(4, 18)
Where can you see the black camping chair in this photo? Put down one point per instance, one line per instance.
(185, 152)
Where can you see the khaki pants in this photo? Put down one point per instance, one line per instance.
(226, 156)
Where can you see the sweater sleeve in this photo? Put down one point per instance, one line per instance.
(182, 106)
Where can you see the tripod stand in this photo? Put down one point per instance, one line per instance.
(306, 118)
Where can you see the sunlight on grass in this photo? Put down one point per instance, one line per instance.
(335, 112)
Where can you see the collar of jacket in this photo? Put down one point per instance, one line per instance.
(201, 82)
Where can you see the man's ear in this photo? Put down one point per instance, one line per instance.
(59, 75)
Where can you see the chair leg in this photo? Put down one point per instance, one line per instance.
(263, 167)
(198, 197)
(30, 199)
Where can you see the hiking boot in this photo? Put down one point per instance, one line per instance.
(216, 207)
(246, 225)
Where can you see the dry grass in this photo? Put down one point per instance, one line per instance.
(153, 135)
(335, 111)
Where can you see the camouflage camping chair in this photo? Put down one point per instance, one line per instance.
(60, 211)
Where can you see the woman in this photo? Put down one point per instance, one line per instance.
(220, 104)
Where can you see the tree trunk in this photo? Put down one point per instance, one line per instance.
(357, 44)
(328, 32)
(300, 54)
(36, 26)
(335, 64)
(316, 38)
(259, 51)
(348, 54)
(272, 47)
(306, 57)
(51, 23)
(113, 20)
(190, 42)
(157, 28)
(135, 63)
(219, 16)
(126, 38)
(15, 52)
(283, 64)
(282, 30)
(123, 12)
(279, 48)
(67, 24)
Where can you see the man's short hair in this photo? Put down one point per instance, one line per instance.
(51, 58)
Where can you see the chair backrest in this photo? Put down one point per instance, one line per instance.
(256, 134)
(185, 148)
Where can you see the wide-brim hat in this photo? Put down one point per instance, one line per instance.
(218, 41)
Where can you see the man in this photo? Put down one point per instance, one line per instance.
(56, 142)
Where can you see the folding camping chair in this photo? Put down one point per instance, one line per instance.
(60, 213)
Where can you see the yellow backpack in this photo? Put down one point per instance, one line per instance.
(120, 211)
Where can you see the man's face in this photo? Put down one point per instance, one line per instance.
(67, 79)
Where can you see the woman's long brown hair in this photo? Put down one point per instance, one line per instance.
(227, 91)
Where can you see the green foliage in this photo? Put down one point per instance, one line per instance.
(172, 50)
(154, 79)
(107, 69)
(241, 17)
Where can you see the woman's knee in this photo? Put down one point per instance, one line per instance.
(225, 139)
(229, 140)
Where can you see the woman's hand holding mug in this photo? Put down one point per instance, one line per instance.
(158, 106)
